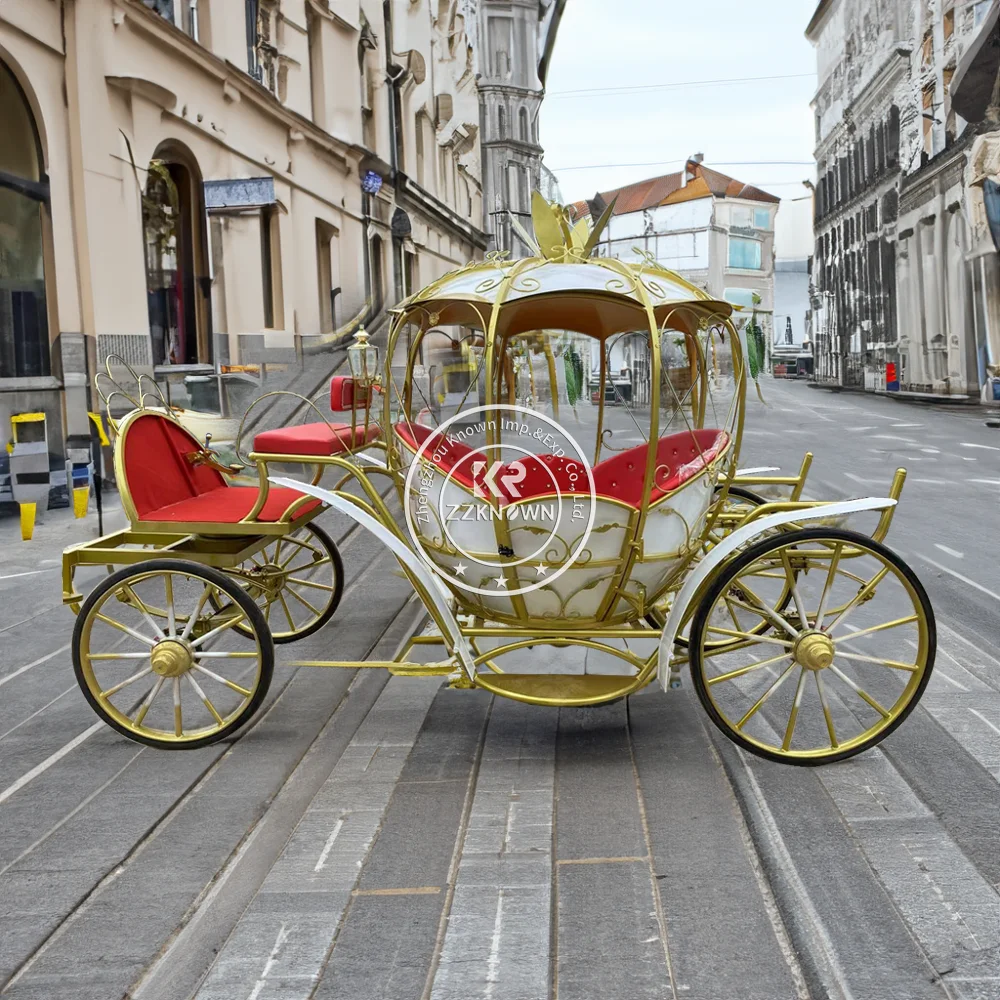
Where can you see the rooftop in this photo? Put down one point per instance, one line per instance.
(669, 189)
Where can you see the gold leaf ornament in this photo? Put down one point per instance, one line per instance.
(549, 231)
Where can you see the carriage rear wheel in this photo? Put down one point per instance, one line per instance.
(839, 668)
(160, 662)
(296, 581)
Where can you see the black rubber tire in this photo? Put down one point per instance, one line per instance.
(724, 580)
(233, 591)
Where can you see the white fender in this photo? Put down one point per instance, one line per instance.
(728, 545)
(757, 471)
(432, 584)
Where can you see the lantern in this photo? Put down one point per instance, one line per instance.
(363, 360)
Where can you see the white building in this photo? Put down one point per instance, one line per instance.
(793, 245)
(714, 230)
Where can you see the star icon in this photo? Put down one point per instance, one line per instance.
(460, 570)
(501, 582)
(541, 570)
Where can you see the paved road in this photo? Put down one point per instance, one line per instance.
(389, 838)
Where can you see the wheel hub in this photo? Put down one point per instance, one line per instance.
(171, 658)
(814, 651)
(268, 579)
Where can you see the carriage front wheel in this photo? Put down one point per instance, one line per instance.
(160, 662)
(839, 666)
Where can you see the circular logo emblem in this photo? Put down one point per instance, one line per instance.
(524, 506)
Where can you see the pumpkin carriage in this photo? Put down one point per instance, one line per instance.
(569, 551)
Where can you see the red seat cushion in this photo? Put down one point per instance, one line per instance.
(157, 470)
(229, 505)
(679, 458)
(450, 456)
(313, 439)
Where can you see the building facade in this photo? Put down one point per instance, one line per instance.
(976, 96)
(190, 185)
(793, 242)
(863, 65)
(714, 230)
(512, 42)
(899, 300)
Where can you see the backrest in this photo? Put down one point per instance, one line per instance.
(345, 395)
(154, 462)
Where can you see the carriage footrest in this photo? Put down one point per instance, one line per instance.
(558, 689)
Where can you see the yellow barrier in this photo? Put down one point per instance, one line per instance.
(81, 495)
(27, 521)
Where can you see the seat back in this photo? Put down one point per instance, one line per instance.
(155, 464)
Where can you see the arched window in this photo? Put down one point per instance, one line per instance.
(177, 283)
(24, 195)
(502, 122)
(522, 117)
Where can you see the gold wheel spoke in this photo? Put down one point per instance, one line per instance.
(288, 614)
(222, 680)
(732, 614)
(794, 714)
(747, 669)
(826, 710)
(304, 545)
(267, 612)
(750, 636)
(178, 719)
(117, 656)
(860, 692)
(767, 694)
(800, 605)
(831, 573)
(765, 612)
(277, 553)
(197, 611)
(310, 583)
(224, 655)
(228, 623)
(124, 628)
(204, 697)
(894, 664)
(302, 600)
(858, 598)
(117, 687)
(875, 628)
(168, 594)
(144, 707)
(140, 606)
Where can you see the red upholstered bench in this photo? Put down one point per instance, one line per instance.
(679, 458)
(313, 439)
(162, 485)
(321, 438)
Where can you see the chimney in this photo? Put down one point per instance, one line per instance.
(688, 174)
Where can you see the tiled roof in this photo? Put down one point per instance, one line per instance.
(578, 209)
(668, 190)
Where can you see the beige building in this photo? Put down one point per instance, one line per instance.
(196, 183)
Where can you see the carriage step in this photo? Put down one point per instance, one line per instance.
(558, 689)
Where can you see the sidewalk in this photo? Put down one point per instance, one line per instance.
(904, 396)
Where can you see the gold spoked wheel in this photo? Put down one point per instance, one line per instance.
(158, 660)
(296, 581)
(838, 669)
(739, 503)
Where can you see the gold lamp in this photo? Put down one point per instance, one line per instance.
(362, 357)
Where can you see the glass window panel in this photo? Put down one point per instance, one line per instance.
(739, 296)
(24, 334)
(19, 149)
(744, 253)
(762, 218)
